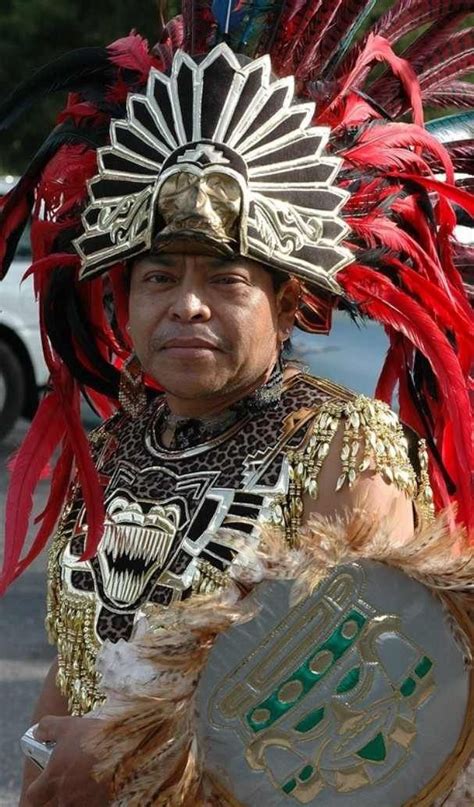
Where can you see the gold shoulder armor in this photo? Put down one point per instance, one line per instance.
(373, 437)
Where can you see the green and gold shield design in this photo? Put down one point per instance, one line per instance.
(358, 695)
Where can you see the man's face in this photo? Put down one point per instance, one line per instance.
(203, 326)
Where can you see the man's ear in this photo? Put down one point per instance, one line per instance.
(287, 305)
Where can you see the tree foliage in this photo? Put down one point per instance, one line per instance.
(34, 32)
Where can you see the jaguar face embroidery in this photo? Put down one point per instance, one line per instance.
(136, 543)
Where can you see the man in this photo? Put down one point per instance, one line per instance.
(210, 330)
(216, 218)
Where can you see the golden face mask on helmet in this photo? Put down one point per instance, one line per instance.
(219, 152)
(204, 203)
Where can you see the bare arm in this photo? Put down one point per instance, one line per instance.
(50, 702)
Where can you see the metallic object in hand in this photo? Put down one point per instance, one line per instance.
(39, 752)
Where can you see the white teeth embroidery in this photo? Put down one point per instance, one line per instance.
(134, 535)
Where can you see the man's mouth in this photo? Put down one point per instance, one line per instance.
(189, 344)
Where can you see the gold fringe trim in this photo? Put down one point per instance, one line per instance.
(147, 743)
(70, 619)
(373, 438)
(70, 625)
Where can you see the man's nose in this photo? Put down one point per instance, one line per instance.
(189, 305)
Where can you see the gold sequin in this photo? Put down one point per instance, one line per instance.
(69, 619)
(208, 578)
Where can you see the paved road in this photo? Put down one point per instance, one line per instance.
(348, 355)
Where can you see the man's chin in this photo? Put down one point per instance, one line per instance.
(192, 392)
(191, 380)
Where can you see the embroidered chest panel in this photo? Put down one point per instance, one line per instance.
(164, 508)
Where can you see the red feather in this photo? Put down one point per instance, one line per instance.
(444, 189)
(92, 294)
(315, 312)
(378, 142)
(45, 473)
(299, 23)
(79, 111)
(63, 189)
(378, 298)
(295, 8)
(101, 404)
(452, 60)
(462, 154)
(377, 229)
(14, 212)
(51, 513)
(60, 480)
(408, 15)
(307, 59)
(378, 49)
(391, 370)
(434, 238)
(131, 53)
(87, 474)
(350, 16)
(457, 93)
(386, 89)
(352, 110)
(407, 212)
(41, 269)
(453, 312)
(199, 25)
(46, 431)
(172, 39)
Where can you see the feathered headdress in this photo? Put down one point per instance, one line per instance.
(405, 188)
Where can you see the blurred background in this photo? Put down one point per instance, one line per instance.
(32, 33)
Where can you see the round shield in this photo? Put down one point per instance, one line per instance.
(358, 695)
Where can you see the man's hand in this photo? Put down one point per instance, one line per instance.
(67, 780)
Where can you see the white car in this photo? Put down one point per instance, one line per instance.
(23, 372)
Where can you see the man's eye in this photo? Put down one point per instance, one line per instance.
(157, 277)
(228, 279)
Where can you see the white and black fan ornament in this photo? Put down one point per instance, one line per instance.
(220, 152)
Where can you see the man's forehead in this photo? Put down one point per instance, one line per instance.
(180, 260)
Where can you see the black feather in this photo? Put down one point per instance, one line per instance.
(66, 133)
(13, 238)
(67, 325)
(78, 70)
